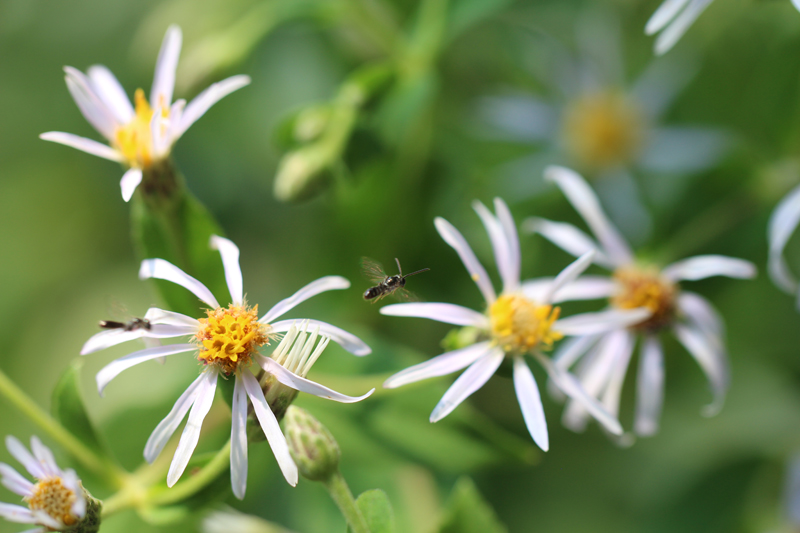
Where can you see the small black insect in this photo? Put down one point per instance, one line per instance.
(133, 324)
(385, 285)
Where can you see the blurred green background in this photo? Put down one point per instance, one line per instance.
(421, 149)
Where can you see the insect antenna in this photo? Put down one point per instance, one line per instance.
(417, 272)
(399, 269)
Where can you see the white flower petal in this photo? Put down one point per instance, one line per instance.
(45, 457)
(109, 90)
(441, 312)
(191, 432)
(269, 424)
(158, 268)
(441, 365)
(572, 349)
(782, 224)
(667, 39)
(158, 316)
(19, 452)
(230, 262)
(704, 266)
(683, 150)
(71, 481)
(502, 252)
(90, 105)
(114, 368)
(712, 359)
(346, 340)
(649, 388)
(572, 388)
(17, 513)
(583, 288)
(305, 385)
(667, 11)
(166, 64)
(613, 390)
(14, 481)
(44, 519)
(239, 439)
(531, 403)
(701, 314)
(164, 430)
(471, 380)
(476, 271)
(206, 99)
(568, 275)
(503, 214)
(585, 202)
(84, 145)
(601, 322)
(327, 283)
(568, 238)
(130, 180)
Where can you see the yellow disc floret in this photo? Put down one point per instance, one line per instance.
(230, 337)
(603, 129)
(645, 287)
(51, 496)
(135, 139)
(520, 325)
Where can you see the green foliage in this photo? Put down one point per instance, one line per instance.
(468, 512)
(377, 511)
(69, 408)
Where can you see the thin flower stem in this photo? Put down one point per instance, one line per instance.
(88, 459)
(340, 492)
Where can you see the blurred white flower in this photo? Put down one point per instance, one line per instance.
(139, 135)
(513, 326)
(782, 225)
(227, 342)
(55, 501)
(605, 357)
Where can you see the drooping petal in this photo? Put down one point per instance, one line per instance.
(712, 359)
(453, 237)
(471, 380)
(19, 452)
(327, 283)
(531, 403)
(601, 322)
(239, 439)
(84, 145)
(441, 312)
(346, 340)
(502, 252)
(269, 424)
(158, 316)
(191, 432)
(305, 385)
(583, 288)
(158, 268)
(164, 430)
(701, 314)
(13, 480)
(166, 64)
(585, 202)
(230, 262)
(90, 105)
(17, 513)
(203, 102)
(782, 224)
(568, 275)
(649, 388)
(109, 90)
(114, 368)
(705, 266)
(667, 39)
(441, 365)
(130, 180)
(568, 238)
(667, 11)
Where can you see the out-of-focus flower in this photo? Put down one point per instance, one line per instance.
(227, 342)
(139, 135)
(782, 224)
(605, 357)
(56, 501)
(513, 326)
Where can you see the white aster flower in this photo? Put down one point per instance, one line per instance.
(139, 135)
(605, 357)
(227, 342)
(782, 225)
(512, 327)
(55, 501)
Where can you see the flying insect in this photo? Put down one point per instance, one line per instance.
(131, 325)
(385, 285)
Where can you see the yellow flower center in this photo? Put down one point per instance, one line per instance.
(646, 288)
(135, 139)
(603, 129)
(520, 325)
(51, 496)
(230, 337)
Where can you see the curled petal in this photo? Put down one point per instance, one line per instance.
(712, 359)
(158, 268)
(701, 314)
(130, 180)
(169, 318)
(327, 283)
(203, 102)
(782, 224)
(230, 262)
(705, 266)
(305, 385)
(346, 340)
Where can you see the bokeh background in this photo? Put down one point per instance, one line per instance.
(463, 119)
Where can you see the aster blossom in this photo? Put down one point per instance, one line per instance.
(55, 501)
(512, 327)
(226, 343)
(139, 135)
(604, 358)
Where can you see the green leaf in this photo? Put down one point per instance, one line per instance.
(467, 13)
(377, 510)
(468, 512)
(69, 409)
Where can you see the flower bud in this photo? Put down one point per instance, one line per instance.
(312, 446)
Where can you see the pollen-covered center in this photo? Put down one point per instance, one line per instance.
(51, 496)
(520, 325)
(230, 337)
(135, 139)
(646, 287)
(603, 129)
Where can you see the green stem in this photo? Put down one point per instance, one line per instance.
(100, 467)
(340, 492)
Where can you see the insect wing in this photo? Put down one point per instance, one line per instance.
(373, 270)
(405, 295)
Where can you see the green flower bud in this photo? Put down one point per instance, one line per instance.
(312, 446)
(90, 523)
